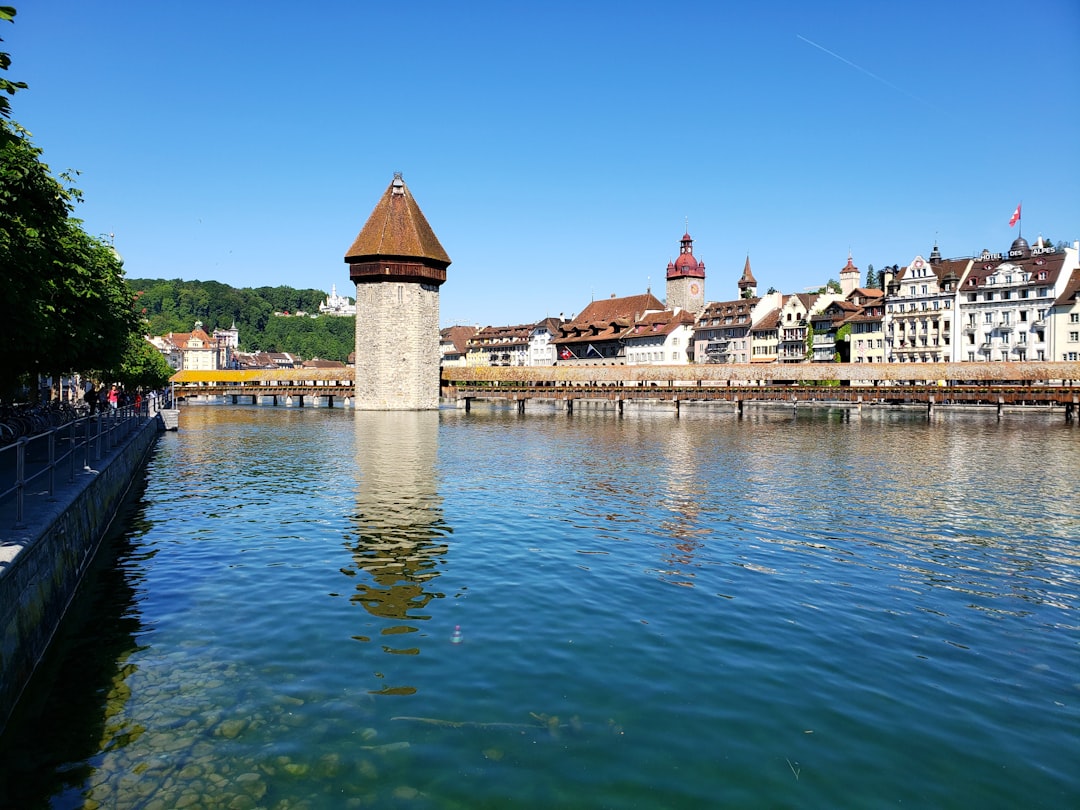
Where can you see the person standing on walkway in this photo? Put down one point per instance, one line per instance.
(114, 398)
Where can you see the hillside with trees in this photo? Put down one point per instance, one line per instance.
(175, 305)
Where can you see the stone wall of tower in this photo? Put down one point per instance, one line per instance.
(397, 346)
(679, 294)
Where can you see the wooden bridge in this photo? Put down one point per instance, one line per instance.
(931, 384)
(287, 386)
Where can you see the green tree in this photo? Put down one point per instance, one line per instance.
(7, 14)
(141, 366)
(832, 285)
(871, 277)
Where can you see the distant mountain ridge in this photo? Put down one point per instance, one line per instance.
(174, 305)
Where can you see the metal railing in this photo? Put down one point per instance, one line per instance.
(69, 447)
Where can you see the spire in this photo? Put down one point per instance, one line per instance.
(747, 279)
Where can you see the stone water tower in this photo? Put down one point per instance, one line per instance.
(397, 264)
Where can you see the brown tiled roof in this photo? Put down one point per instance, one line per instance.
(659, 323)
(458, 335)
(612, 309)
(1051, 264)
(770, 320)
(720, 309)
(1071, 292)
(397, 229)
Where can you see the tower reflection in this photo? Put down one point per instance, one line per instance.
(400, 531)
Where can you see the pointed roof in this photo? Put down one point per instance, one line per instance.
(850, 266)
(397, 229)
(747, 279)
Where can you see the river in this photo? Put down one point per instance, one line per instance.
(313, 608)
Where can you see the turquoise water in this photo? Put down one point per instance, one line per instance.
(326, 609)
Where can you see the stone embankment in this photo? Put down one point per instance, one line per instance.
(44, 556)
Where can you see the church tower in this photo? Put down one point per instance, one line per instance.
(747, 282)
(686, 280)
(397, 265)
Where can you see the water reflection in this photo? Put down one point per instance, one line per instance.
(400, 530)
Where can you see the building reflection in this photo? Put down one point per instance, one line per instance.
(682, 492)
(400, 532)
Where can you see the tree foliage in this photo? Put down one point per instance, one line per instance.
(871, 277)
(67, 306)
(831, 286)
(7, 86)
(142, 366)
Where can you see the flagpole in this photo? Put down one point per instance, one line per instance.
(1020, 220)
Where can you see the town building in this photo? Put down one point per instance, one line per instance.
(1006, 301)
(499, 346)
(541, 348)
(765, 336)
(1064, 315)
(398, 265)
(190, 351)
(794, 324)
(920, 322)
(594, 337)
(659, 338)
(453, 344)
(866, 338)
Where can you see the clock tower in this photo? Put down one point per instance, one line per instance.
(686, 279)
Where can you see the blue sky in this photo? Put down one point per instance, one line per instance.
(558, 149)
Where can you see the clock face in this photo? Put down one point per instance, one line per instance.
(694, 289)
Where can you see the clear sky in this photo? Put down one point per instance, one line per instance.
(558, 149)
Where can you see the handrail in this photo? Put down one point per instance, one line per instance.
(35, 457)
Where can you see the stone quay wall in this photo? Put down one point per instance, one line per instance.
(53, 552)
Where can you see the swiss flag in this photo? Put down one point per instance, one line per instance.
(1015, 217)
(566, 354)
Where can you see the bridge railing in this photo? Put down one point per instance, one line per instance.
(61, 450)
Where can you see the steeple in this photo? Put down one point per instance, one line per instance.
(747, 283)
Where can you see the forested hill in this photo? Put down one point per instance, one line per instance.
(174, 306)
